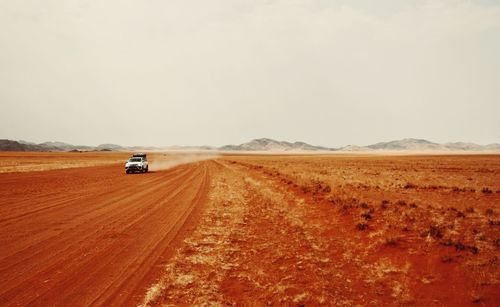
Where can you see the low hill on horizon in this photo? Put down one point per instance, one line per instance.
(11, 145)
(263, 145)
(408, 144)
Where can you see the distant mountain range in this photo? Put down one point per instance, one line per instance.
(272, 145)
(424, 145)
(399, 145)
(263, 145)
(9, 145)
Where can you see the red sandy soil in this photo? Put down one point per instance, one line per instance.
(343, 231)
(92, 235)
(256, 230)
(43, 161)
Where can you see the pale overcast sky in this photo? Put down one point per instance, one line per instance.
(188, 72)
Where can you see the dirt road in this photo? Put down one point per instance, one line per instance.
(92, 235)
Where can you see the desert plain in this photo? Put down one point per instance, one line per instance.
(336, 230)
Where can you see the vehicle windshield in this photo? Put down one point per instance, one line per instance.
(135, 160)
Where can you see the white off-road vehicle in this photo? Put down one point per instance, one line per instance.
(138, 163)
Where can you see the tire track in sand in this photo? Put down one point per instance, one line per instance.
(109, 252)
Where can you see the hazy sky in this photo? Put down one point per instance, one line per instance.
(159, 72)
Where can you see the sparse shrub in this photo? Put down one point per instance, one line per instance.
(317, 184)
(401, 202)
(477, 300)
(362, 226)
(474, 250)
(470, 210)
(409, 185)
(384, 204)
(392, 242)
(435, 232)
(305, 189)
(496, 243)
(486, 190)
(364, 205)
(345, 208)
(494, 223)
(489, 211)
(460, 214)
(413, 205)
(459, 246)
(327, 189)
(366, 216)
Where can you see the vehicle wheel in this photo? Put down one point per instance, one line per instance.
(127, 172)
(147, 169)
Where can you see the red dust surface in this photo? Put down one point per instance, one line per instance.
(256, 230)
(94, 235)
(343, 230)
